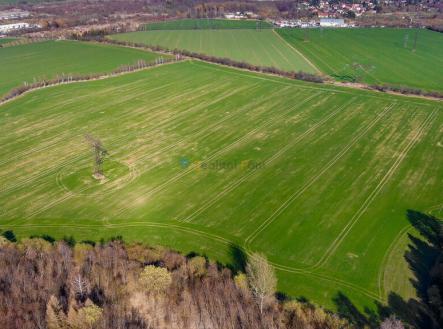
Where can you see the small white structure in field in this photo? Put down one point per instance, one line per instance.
(332, 22)
(17, 26)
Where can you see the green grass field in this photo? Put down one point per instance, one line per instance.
(206, 24)
(376, 56)
(6, 40)
(45, 60)
(263, 48)
(203, 158)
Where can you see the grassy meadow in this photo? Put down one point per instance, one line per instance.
(206, 24)
(44, 60)
(6, 40)
(374, 55)
(264, 47)
(206, 158)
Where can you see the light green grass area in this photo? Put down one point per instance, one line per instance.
(203, 158)
(264, 48)
(44, 60)
(205, 24)
(376, 56)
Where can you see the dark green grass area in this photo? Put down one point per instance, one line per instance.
(45, 60)
(207, 24)
(374, 55)
(206, 158)
(6, 40)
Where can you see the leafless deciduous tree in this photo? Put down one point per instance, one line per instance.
(261, 278)
(80, 286)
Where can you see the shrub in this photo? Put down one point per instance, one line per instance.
(10, 236)
(197, 266)
(241, 282)
(155, 279)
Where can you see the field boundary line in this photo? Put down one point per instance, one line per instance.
(330, 251)
(298, 52)
(308, 184)
(267, 161)
(100, 77)
(328, 86)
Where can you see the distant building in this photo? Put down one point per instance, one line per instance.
(13, 14)
(332, 22)
(236, 15)
(16, 26)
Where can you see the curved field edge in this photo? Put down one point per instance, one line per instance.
(318, 286)
(45, 60)
(186, 239)
(374, 55)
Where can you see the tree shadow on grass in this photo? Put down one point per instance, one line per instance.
(422, 255)
(239, 258)
(346, 309)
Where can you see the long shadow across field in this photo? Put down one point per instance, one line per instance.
(425, 259)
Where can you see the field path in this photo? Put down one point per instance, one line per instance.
(298, 52)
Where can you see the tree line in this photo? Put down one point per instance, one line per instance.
(49, 284)
(300, 75)
(69, 78)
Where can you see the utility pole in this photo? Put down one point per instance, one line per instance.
(99, 154)
(415, 39)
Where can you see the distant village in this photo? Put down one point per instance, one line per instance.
(302, 14)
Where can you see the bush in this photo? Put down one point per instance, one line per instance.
(10, 236)
(155, 279)
(69, 240)
(197, 266)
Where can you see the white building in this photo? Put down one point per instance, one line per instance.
(15, 27)
(332, 22)
(13, 14)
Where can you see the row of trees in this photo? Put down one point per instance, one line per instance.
(69, 78)
(224, 61)
(407, 91)
(271, 70)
